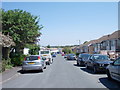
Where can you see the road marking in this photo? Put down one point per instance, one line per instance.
(17, 74)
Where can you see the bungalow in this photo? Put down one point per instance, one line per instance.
(108, 45)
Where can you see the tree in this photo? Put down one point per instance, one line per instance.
(85, 42)
(21, 26)
(34, 49)
(67, 50)
(48, 46)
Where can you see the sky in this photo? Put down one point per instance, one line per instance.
(65, 23)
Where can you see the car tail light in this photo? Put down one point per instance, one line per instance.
(38, 57)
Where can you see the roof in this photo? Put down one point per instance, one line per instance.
(114, 35)
(89, 43)
(6, 41)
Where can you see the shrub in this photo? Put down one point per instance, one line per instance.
(17, 59)
(6, 64)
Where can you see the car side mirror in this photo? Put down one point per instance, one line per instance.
(90, 59)
(112, 63)
(80, 57)
(112, 59)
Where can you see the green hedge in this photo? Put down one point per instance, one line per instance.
(6, 64)
(17, 59)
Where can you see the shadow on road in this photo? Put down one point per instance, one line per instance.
(76, 65)
(91, 71)
(109, 83)
(28, 72)
(70, 60)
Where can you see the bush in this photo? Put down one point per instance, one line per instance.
(77, 54)
(17, 59)
(6, 64)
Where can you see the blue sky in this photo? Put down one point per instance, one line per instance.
(65, 23)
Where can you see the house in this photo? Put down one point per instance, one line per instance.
(107, 44)
(26, 51)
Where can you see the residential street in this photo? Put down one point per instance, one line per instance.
(61, 74)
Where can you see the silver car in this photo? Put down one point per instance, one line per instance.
(34, 62)
(113, 70)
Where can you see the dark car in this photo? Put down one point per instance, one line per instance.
(82, 58)
(113, 70)
(98, 62)
(65, 55)
(71, 57)
(54, 55)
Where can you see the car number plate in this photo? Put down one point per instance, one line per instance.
(31, 63)
(44, 55)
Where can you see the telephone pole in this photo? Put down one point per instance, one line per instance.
(79, 42)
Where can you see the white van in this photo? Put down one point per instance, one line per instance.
(47, 55)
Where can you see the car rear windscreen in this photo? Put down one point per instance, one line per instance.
(44, 52)
(31, 58)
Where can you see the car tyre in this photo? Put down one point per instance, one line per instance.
(23, 71)
(45, 67)
(94, 70)
(80, 63)
(77, 63)
(41, 70)
(108, 74)
(48, 63)
(86, 66)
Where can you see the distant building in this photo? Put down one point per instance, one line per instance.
(26, 51)
(108, 45)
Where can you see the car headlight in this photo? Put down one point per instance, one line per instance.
(101, 65)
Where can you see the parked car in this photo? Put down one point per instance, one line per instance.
(34, 62)
(82, 58)
(65, 55)
(71, 57)
(54, 55)
(113, 70)
(47, 55)
(98, 62)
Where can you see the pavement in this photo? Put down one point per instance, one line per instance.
(61, 74)
(8, 74)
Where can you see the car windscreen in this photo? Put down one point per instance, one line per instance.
(31, 58)
(72, 54)
(84, 56)
(100, 57)
(44, 52)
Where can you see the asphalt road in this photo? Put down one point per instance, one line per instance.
(61, 74)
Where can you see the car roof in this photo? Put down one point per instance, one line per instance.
(33, 55)
(99, 54)
(85, 54)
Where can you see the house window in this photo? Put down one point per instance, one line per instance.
(112, 42)
(118, 42)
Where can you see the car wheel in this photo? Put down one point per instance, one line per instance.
(48, 63)
(23, 71)
(45, 67)
(108, 74)
(80, 64)
(86, 66)
(94, 70)
(77, 63)
(41, 70)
